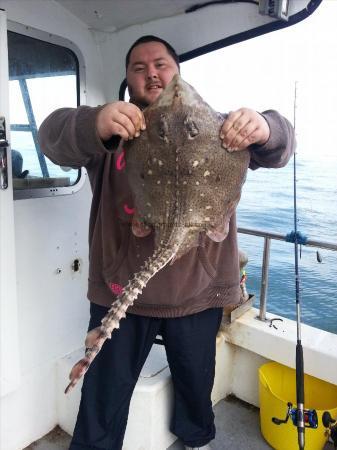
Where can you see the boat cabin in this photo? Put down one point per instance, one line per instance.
(56, 53)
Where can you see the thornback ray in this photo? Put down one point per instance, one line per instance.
(183, 182)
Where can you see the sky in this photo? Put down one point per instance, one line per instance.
(46, 95)
(261, 74)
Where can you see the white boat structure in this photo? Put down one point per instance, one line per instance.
(44, 213)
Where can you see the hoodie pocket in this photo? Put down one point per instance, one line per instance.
(206, 263)
(132, 254)
(110, 269)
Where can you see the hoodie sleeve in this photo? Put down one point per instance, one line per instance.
(68, 137)
(280, 146)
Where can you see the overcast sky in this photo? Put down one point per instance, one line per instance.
(261, 74)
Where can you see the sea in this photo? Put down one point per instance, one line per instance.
(267, 204)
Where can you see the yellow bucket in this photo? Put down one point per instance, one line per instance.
(277, 388)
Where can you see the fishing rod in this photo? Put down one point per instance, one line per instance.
(299, 349)
(302, 418)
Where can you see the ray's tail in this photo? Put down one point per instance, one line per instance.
(96, 337)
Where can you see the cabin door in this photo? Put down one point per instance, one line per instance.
(9, 364)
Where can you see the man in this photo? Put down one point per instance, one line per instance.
(183, 302)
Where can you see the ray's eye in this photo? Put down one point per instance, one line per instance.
(163, 128)
(191, 127)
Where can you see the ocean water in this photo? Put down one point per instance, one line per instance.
(267, 204)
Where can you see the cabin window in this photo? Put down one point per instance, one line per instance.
(43, 77)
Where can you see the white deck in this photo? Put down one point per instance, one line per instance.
(237, 428)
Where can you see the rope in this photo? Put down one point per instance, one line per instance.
(296, 236)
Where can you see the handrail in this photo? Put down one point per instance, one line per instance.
(282, 237)
(267, 235)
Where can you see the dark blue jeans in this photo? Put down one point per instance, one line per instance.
(108, 385)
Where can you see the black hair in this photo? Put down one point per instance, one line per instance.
(150, 38)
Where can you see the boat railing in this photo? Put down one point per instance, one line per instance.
(268, 236)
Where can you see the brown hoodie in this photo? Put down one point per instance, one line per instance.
(206, 277)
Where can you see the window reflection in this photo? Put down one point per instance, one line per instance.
(43, 77)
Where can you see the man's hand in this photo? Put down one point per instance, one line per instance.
(120, 118)
(242, 128)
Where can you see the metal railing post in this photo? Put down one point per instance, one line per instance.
(267, 236)
(264, 279)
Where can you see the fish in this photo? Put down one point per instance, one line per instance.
(184, 183)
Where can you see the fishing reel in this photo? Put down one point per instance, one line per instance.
(310, 417)
(331, 425)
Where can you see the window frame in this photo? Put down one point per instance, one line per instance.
(22, 194)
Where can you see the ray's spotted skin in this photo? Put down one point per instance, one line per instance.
(184, 183)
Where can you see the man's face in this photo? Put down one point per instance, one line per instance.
(150, 70)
